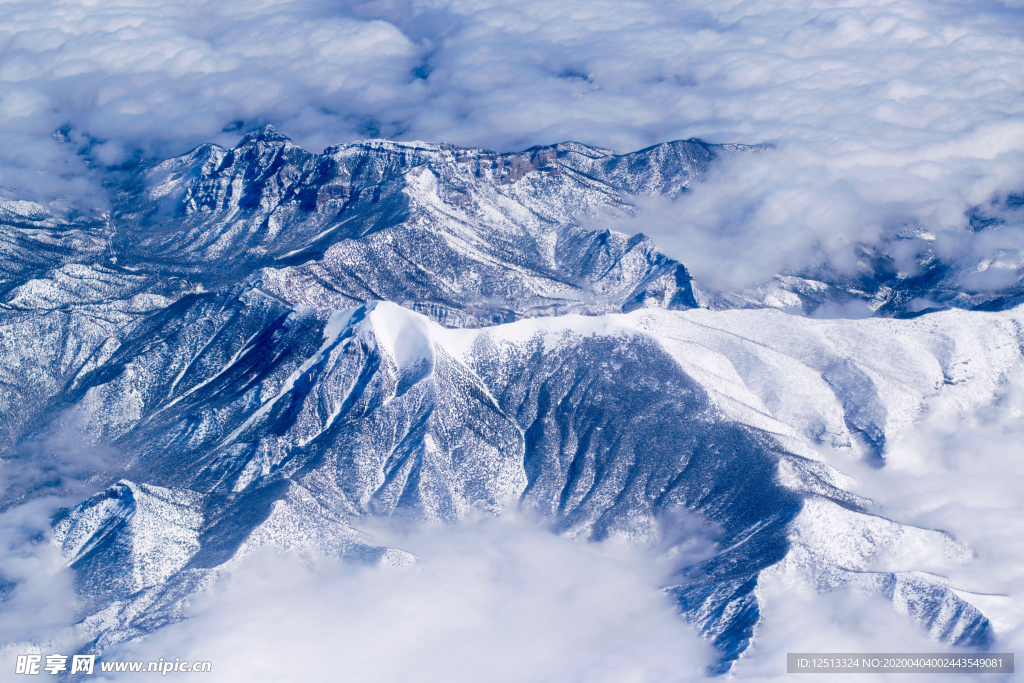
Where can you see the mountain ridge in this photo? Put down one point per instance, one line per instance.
(278, 343)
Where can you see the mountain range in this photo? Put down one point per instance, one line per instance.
(271, 345)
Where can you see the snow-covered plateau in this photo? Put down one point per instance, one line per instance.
(268, 347)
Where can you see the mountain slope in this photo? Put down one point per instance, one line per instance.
(376, 410)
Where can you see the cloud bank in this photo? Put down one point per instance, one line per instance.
(960, 470)
(37, 588)
(500, 600)
(38, 600)
(884, 112)
(957, 470)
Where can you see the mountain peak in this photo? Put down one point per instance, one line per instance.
(265, 134)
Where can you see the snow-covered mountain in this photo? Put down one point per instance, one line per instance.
(280, 344)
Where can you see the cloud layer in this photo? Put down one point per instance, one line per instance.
(499, 600)
(884, 112)
(960, 470)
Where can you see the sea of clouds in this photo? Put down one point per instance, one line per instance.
(884, 114)
(500, 599)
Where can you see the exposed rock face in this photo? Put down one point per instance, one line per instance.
(467, 236)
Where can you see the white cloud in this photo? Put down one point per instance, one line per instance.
(37, 588)
(883, 111)
(38, 601)
(59, 461)
(492, 600)
(841, 621)
(959, 469)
